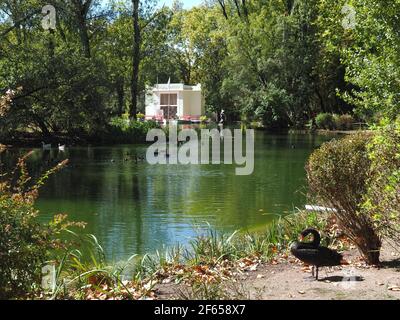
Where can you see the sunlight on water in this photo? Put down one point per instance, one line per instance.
(133, 207)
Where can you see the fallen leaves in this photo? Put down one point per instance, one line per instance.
(306, 268)
(127, 291)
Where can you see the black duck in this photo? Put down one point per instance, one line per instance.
(313, 254)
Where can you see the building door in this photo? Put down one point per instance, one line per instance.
(169, 105)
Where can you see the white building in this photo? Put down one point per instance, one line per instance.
(174, 101)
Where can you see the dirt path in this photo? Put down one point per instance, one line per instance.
(287, 279)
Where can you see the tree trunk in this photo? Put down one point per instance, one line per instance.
(135, 59)
(83, 32)
(81, 11)
(121, 96)
(42, 125)
(369, 246)
(363, 235)
(223, 7)
(321, 100)
(245, 11)
(237, 8)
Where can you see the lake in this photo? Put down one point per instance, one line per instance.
(134, 207)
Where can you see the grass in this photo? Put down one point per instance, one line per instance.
(207, 265)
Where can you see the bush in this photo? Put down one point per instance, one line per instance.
(343, 122)
(324, 121)
(140, 116)
(203, 119)
(268, 106)
(128, 131)
(21, 249)
(337, 174)
(382, 201)
(24, 243)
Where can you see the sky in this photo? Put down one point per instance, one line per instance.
(187, 4)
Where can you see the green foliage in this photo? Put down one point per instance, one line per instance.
(25, 244)
(382, 200)
(278, 62)
(76, 78)
(324, 121)
(203, 119)
(213, 247)
(343, 121)
(359, 177)
(22, 247)
(372, 57)
(337, 174)
(269, 107)
(129, 131)
(83, 266)
(330, 121)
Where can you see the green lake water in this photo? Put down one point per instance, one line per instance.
(137, 207)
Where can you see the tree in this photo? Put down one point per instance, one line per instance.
(271, 61)
(61, 86)
(373, 60)
(81, 9)
(135, 57)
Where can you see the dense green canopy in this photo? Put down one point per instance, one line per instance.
(280, 62)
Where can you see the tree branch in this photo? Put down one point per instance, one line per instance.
(223, 7)
(19, 22)
(152, 18)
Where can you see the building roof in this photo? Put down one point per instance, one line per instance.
(175, 87)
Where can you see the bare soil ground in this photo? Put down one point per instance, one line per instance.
(288, 279)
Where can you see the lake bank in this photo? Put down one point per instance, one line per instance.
(258, 266)
(34, 140)
(209, 261)
(285, 278)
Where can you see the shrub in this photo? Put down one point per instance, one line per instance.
(268, 106)
(324, 121)
(24, 243)
(203, 119)
(127, 131)
(21, 250)
(382, 201)
(140, 116)
(343, 122)
(337, 174)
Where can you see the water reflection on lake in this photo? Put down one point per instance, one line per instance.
(134, 207)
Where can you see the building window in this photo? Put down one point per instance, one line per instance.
(169, 104)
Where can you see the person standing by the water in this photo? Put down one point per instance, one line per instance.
(222, 117)
(221, 123)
